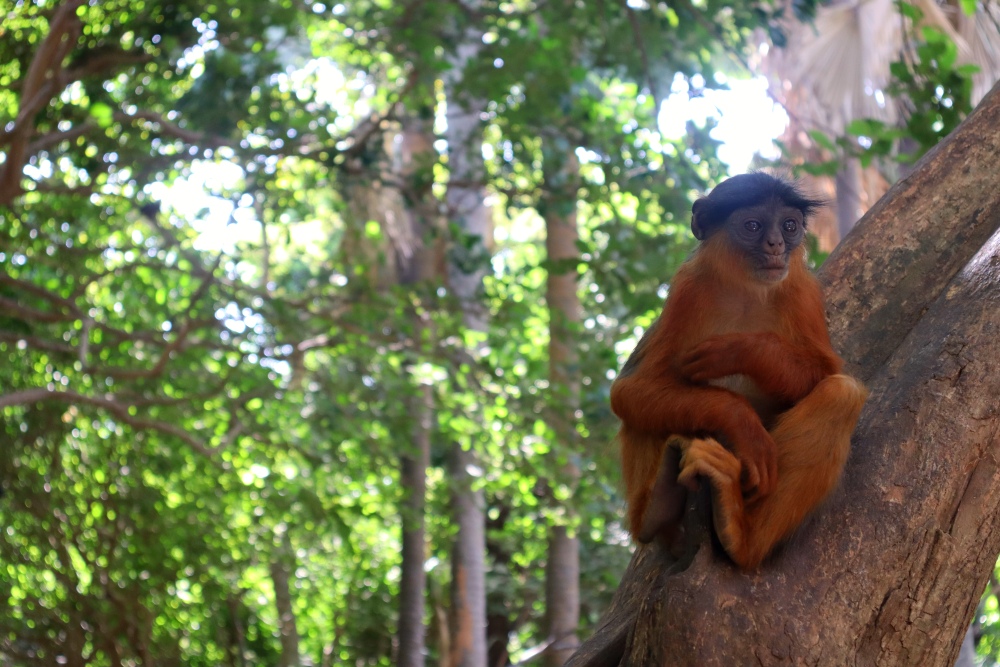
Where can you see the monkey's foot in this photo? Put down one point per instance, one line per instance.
(707, 458)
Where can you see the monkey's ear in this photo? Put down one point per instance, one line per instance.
(696, 227)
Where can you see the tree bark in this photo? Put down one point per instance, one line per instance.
(40, 84)
(413, 578)
(414, 266)
(889, 571)
(468, 260)
(289, 634)
(848, 184)
(562, 571)
(237, 649)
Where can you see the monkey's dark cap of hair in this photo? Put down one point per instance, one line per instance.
(749, 190)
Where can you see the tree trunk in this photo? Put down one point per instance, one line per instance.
(414, 266)
(889, 571)
(468, 260)
(848, 184)
(289, 634)
(562, 595)
(505, 612)
(237, 649)
(413, 578)
(562, 572)
(468, 565)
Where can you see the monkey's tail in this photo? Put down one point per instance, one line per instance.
(656, 501)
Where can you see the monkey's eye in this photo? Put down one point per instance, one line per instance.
(790, 225)
(752, 226)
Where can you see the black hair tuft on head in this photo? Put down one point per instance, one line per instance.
(751, 189)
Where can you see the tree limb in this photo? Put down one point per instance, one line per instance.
(110, 404)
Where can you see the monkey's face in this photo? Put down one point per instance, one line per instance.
(766, 235)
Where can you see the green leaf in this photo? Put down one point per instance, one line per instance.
(102, 114)
(910, 11)
(823, 140)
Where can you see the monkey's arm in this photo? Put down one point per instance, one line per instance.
(661, 406)
(813, 440)
(780, 368)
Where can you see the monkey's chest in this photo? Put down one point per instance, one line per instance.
(765, 406)
(737, 315)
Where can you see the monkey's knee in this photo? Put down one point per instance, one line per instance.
(840, 394)
(832, 408)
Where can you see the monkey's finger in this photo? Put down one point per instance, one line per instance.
(767, 478)
(708, 361)
(750, 477)
(700, 369)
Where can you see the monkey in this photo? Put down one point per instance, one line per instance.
(736, 383)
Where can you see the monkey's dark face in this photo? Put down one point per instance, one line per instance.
(767, 234)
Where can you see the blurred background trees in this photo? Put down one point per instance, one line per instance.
(308, 312)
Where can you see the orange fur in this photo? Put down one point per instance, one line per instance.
(748, 364)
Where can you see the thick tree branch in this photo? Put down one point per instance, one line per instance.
(173, 130)
(39, 88)
(889, 272)
(13, 308)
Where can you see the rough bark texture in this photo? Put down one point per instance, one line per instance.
(909, 246)
(562, 571)
(889, 571)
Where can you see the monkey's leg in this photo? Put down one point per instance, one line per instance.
(667, 497)
(649, 470)
(813, 440)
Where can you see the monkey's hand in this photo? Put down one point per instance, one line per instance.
(759, 456)
(715, 357)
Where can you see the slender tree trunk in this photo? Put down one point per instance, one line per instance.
(562, 573)
(413, 578)
(289, 634)
(562, 595)
(238, 650)
(415, 265)
(468, 570)
(467, 264)
(501, 620)
(848, 183)
(891, 568)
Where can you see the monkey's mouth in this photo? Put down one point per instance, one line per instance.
(773, 270)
